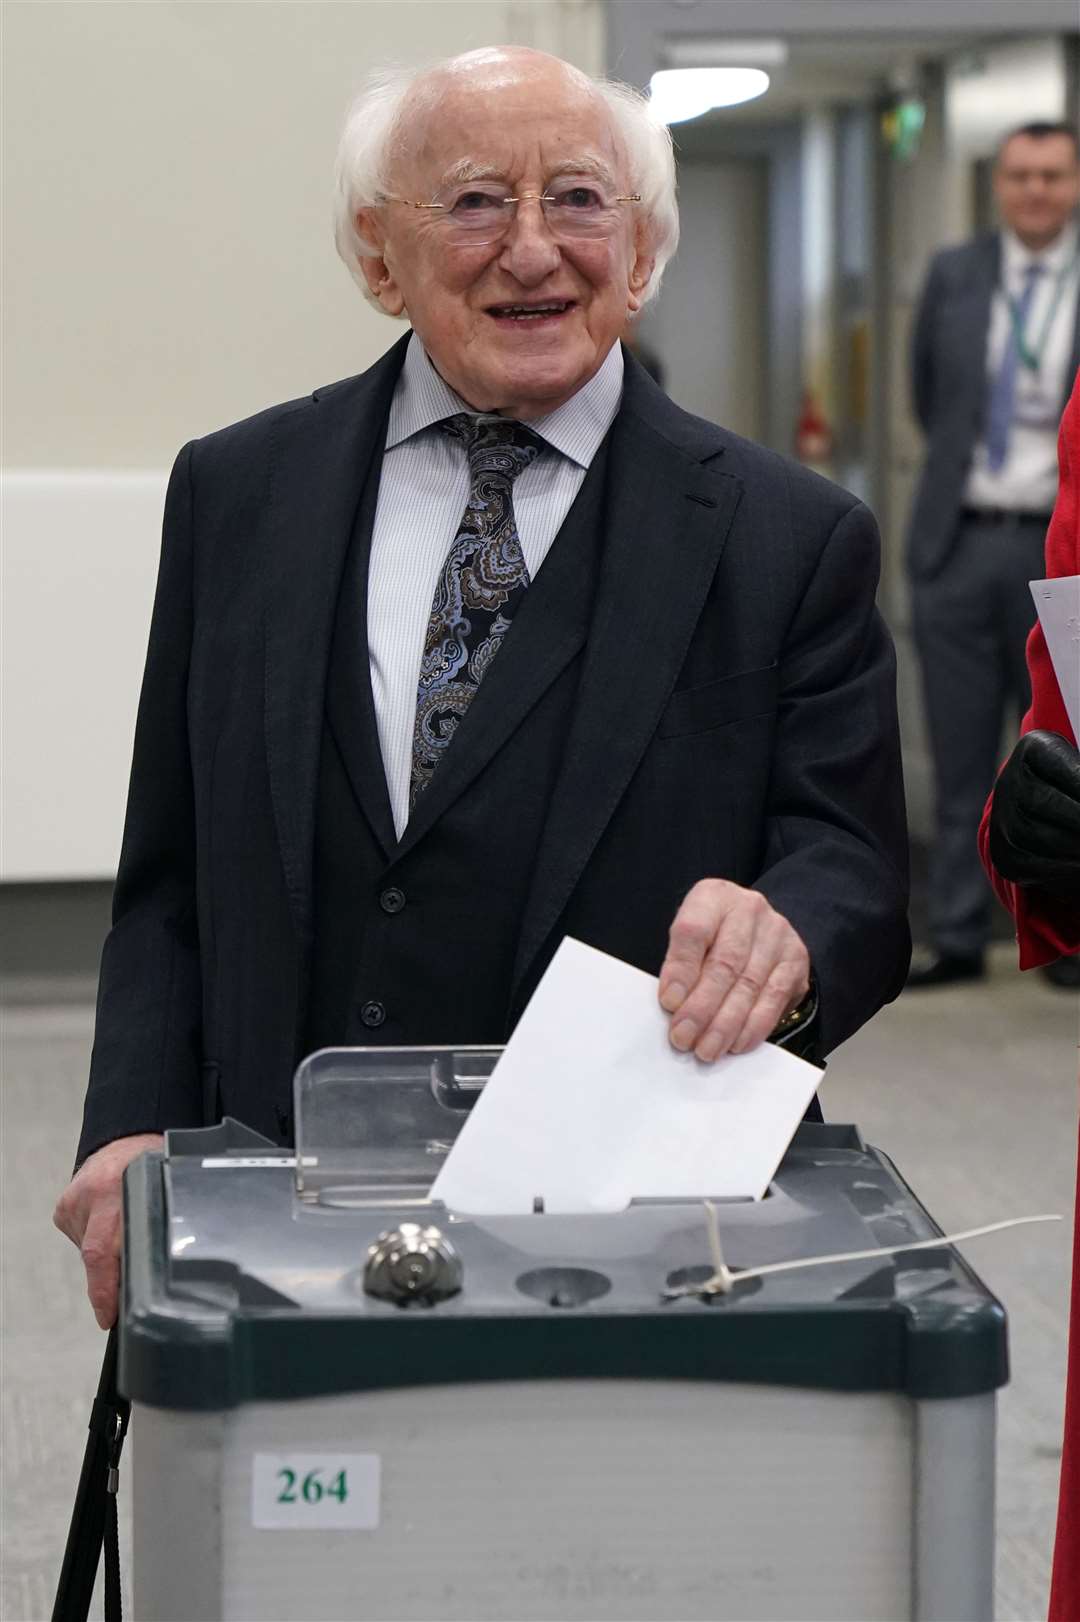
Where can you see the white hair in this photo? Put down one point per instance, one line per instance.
(376, 119)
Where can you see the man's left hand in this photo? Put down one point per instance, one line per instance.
(734, 968)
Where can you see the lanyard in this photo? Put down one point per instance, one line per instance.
(1031, 355)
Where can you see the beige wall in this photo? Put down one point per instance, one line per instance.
(168, 259)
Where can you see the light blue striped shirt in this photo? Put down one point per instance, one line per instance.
(422, 496)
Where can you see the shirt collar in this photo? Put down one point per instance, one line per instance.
(1055, 258)
(575, 429)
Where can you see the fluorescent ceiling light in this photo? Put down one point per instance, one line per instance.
(724, 51)
(677, 94)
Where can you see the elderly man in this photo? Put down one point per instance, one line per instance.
(490, 645)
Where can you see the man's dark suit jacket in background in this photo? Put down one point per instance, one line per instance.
(950, 388)
(697, 684)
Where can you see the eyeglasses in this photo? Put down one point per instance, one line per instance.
(473, 214)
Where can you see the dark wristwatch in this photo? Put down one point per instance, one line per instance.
(795, 1031)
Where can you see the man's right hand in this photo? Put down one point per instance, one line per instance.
(89, 1211)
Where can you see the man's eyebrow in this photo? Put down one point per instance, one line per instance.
(583, 166)
(467, 169)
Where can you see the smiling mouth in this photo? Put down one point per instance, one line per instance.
(528, 314)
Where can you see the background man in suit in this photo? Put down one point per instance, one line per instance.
(996, 348)
(389, 752)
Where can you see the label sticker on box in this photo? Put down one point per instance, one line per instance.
(315, 1491)
(234, 1162)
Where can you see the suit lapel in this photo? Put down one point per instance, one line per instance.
(974, 314)
(320, 458)
(350, 703)
(668, 517)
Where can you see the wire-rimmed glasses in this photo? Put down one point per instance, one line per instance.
(474, 213)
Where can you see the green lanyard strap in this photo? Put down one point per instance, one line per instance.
(1031, 355)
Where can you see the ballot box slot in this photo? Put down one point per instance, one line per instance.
(374, 1197)
(374, 1125)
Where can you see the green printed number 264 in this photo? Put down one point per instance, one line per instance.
(312, 1489)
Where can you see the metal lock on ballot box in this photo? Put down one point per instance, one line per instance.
(411, 1263)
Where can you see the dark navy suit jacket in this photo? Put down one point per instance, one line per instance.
(721, 702)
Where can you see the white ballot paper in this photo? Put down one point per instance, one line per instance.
(590, 1107)
(1058, 605)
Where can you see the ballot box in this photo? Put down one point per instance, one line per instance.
(349, 1402)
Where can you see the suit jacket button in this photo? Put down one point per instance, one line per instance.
(373, 1014)
(392, 900)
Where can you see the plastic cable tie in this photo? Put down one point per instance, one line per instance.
(723, 1280)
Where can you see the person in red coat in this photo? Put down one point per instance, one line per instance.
(1029, 841)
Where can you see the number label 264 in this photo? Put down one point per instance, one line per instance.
(312, 1488)
(315, 1491)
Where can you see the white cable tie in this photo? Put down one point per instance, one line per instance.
(722, 1273)
(723, 1280)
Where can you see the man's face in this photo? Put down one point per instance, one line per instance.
(1037, 185)
(522, 126)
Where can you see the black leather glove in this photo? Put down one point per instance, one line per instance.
(1035, 818)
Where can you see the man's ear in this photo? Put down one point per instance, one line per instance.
(644, 262)
(376, 271)
(640, 277)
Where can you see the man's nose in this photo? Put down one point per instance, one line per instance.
(529, 252)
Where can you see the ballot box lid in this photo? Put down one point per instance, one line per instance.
(247, 1268)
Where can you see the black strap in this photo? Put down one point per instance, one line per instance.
(119, 1414)
(113, 1604)
(93, 1519)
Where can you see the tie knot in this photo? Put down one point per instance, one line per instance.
(494, 445)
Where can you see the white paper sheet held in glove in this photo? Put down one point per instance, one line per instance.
(1058, 605)
(590, 1106)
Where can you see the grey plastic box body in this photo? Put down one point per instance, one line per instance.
(818, 1444)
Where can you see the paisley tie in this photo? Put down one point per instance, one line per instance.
(482, 582)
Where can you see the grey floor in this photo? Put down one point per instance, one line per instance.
(972, 1091)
